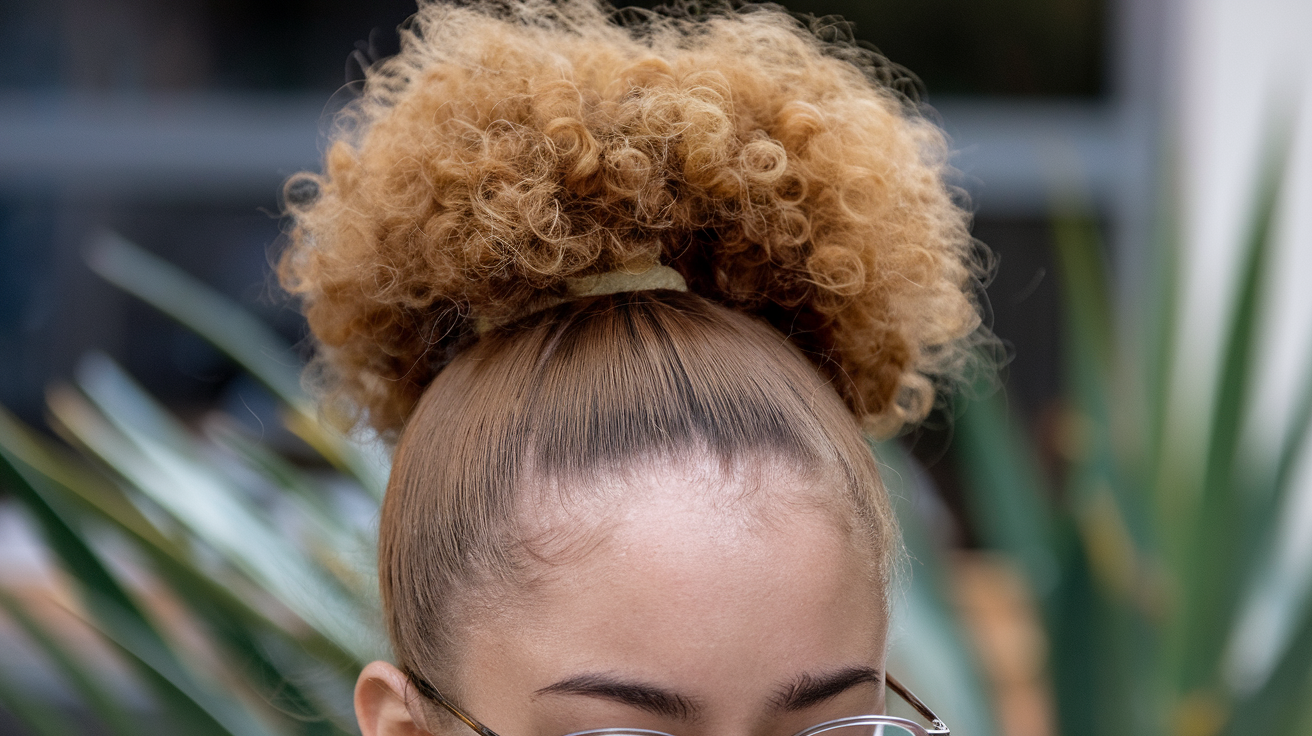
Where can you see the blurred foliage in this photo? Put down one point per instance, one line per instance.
(1154, 563)
(237, 586)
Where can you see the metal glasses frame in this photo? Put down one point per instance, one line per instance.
(937, 726)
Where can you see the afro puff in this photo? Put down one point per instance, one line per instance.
(510, 146)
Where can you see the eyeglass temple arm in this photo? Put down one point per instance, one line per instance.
(428, 691)
(915, 702)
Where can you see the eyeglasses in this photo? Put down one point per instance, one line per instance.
(871, 725)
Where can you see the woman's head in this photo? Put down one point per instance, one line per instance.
(658, 487)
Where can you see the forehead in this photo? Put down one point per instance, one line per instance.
(707, 583)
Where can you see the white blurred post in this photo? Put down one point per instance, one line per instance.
(1244, 69)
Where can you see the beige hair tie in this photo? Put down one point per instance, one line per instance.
(655, 276)
(642, 277)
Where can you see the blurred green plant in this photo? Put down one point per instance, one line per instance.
(1154, 562)
(271, 566)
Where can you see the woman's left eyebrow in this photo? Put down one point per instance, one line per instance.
(808, 689)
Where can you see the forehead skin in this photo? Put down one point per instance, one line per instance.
(723, 603)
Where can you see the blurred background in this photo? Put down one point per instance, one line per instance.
(174, 123)
(1114, 542)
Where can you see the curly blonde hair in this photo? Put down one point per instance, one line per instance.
(513, 145)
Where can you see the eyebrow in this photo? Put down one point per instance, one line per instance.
(650, 698)
(807, 690)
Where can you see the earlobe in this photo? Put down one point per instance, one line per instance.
(386, 704)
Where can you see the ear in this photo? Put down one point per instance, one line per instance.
(386, 704)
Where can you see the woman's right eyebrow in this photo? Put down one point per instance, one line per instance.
(650, 698)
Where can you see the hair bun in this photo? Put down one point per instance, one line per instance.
(512, 146)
